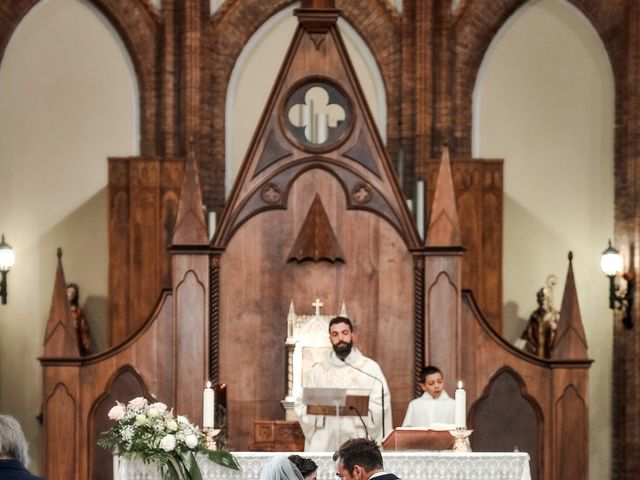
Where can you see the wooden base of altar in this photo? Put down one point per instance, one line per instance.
(417, 439)
(277, 436)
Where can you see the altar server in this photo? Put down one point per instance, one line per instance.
(346, 367)
(434, 406)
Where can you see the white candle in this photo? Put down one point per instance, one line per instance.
(420, 207)
(207, 407)
(461, 407)
(321, 123)
(212, 224)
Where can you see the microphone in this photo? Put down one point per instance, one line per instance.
(384, 433)
(366, 430)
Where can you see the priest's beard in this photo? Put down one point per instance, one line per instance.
(343, 349)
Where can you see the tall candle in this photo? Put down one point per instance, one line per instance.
(207, 407)
(322, 127)
(461, 407)
(420, 207)
(212, 224)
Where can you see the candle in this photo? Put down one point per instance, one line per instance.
(461, 407)
(207, 407)
(322, 130)
(420, 207)
(212, 224)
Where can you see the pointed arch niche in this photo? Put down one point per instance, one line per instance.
(544, 101)
(255, 72)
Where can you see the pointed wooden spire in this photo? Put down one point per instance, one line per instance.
(444, 229)
(191, 228)
(570, 343)
(316, 240)
(343, 310)
(60, 340)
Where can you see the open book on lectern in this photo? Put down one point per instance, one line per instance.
(336, 401)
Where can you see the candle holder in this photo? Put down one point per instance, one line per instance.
(461, 436)
(210, 435)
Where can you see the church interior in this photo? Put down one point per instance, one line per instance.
(148, 157)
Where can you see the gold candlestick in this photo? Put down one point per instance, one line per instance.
(210, 435)
(461, 443)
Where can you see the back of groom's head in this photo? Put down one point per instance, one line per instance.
(359, 451)
(13, 444)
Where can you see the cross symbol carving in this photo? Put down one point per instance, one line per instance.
(317, 304)
(316, 115)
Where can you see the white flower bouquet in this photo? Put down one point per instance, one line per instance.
(150, 432)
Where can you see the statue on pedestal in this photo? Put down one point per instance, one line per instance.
(77, 317)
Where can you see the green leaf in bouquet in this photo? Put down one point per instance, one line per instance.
(169, 472)
(222, 458)
(191, 465)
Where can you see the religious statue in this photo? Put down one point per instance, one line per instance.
(540, 334)
(77, 317)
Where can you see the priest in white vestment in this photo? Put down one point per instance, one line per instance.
(346, 367)
(434, 408)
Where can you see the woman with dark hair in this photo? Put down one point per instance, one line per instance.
(307, 467)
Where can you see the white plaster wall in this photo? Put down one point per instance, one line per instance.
(544, 102)
(68, 100)
(255, 73)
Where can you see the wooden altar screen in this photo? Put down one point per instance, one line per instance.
(316, 211)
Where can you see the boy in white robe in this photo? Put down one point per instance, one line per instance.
(434, 406)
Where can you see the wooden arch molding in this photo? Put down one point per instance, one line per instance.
(477, 26)
(285, 177)
(138, 25)
(230, 29)
(124, 384)
(516, 428)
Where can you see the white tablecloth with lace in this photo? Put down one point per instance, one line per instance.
(406, 465)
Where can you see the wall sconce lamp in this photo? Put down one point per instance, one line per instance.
(7, 258)
(611, 264)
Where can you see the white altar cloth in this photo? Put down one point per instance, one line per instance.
(406, 465)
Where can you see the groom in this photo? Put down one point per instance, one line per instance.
(360, 459)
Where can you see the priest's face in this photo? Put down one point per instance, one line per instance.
(341, 339)
(433, 384)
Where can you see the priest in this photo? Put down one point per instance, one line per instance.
(346, 367)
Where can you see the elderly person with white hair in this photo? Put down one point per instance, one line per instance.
(13, 451)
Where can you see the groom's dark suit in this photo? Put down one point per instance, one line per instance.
(386, 476)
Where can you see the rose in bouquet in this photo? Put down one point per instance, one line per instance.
(152, 433)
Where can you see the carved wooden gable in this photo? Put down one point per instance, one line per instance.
(316, 212)
(316, 117)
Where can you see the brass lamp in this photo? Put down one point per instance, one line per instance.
(7, 259)
(612, 264)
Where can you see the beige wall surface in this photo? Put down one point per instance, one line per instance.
(544, 102)
(68, 100)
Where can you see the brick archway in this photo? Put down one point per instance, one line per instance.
(478, 25)
(138, 25)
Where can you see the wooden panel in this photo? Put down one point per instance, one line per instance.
(441, 334)
(478, 188)
(505, 418)
(143, 203)
(61, 433)
(277, 436)
(571, 429)
(127, 385)
(191, 315)
(373, 282)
